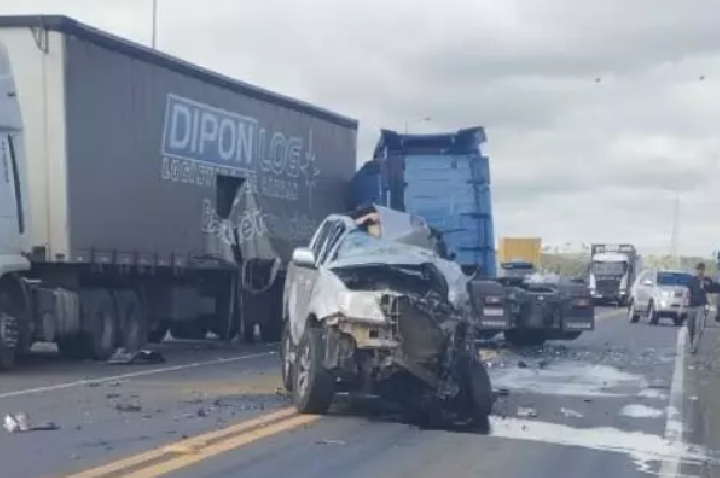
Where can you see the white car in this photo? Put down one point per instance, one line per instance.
(371, 307)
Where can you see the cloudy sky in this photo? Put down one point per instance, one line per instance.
(597, 113)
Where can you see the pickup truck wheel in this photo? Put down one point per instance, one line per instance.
(286, 353)
(10, 314)
(313, 387)
(632, 313)
(652, 314)
(478, 394)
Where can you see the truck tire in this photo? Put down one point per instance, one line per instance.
(286, 349)
(679, 320)
(11, 311)
(313, 386)
(132, 320)
(99, 317)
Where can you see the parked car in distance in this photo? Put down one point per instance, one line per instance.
(658, 294)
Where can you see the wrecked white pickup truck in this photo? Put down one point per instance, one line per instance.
(370, 307)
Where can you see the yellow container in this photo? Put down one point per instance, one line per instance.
(520, 249)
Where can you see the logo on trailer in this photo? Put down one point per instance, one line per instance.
(200, 141)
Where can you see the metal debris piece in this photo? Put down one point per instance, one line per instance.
(330, 442)
(140, 357)
(128, 407)
(16, 423)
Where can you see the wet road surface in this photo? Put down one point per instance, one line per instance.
(604, 405)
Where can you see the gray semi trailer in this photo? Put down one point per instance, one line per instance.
(110, 152)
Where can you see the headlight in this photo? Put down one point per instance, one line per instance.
(362, 305)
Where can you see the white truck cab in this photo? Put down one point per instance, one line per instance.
(11, 214)
(12, 261)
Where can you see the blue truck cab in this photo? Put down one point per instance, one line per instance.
(443, 178)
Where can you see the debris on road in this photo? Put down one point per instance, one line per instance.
(330, 442)
(18, 422)
(641, 411)
(140, 357)
(128, 407)
(570, 413)
(526, 412)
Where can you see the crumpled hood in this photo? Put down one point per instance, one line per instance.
(402, 254)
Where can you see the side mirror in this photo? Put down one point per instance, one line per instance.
(227, 189)
(303, 257)
(648, 283)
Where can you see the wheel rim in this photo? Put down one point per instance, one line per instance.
(303, 371)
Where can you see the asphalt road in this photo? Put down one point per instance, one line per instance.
(611, 403)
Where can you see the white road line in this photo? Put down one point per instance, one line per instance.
(125, 376)
(674, 423)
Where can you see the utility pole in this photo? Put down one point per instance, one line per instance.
(154, 23)
(674, 232)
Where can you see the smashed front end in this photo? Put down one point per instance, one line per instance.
(395, 324)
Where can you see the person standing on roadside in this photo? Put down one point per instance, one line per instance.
(699, 286)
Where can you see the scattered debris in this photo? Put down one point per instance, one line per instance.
(18, 422)
(526, 412)
(128, 407)
(641, 411)
(330, 442)
(141, 357)
(570, 413)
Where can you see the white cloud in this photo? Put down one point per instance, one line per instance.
(595, 111)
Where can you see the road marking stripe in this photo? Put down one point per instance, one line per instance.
(249, 430)
(674, 423)
(141, 373)
(226, 445)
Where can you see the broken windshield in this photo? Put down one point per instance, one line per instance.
(360, 243)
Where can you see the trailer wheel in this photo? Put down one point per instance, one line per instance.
(100, 319)
(11, 311)
(157, 332)
(195, 330)
(131, 319)
(313, 387)
(271, 331)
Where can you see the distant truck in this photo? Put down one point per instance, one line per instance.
(109, 154)
(445, 179)
(527, 249)
(612, 272)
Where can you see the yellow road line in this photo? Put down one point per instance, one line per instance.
(192, 450)
(223, 446)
